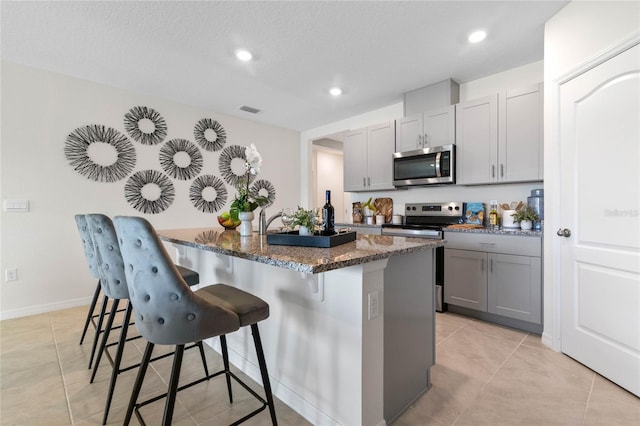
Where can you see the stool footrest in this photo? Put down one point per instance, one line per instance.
(203, 379)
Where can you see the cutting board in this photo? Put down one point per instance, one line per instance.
(384, 206)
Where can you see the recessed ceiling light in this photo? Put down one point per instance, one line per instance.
(243, 55)
(477, 36)
(335, 91)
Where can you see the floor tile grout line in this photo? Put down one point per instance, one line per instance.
(492, 376)
(62, 378)
(586, 408)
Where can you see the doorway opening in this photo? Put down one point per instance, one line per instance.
(327, 168)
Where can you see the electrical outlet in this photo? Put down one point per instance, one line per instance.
(374, 307)
(11, 274)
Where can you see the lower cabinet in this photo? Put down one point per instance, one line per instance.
(497, 274)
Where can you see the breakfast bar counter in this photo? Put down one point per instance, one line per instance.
(351, 334)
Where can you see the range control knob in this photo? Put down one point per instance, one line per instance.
(457, 208)
(450, 208)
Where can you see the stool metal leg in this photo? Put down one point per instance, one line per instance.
(96, 294)
(266, 384)
(225, 359)
(204, 360)
(138, 384)
(103, 309)
(117, 361)
(105, 336)
(173, 386)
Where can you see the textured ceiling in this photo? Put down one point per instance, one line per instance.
(183, 51)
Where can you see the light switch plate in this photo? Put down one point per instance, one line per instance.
(16, 206)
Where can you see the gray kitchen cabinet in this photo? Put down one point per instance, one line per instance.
(493, 273)
(368, 156)
(465, 278)
(514, 287)
(428, 129)
(499, 138)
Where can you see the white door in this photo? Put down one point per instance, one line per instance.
(600, 205)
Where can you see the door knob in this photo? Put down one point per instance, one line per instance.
(564, 232)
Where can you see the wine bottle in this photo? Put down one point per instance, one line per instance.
(328, 215)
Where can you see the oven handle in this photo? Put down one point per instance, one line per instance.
(438, 174)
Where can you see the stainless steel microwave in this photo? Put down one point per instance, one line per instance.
(429, 166)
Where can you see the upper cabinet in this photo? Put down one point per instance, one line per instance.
(499, 138)
(368, 156)
(435, 127)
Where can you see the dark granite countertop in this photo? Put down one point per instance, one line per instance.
(366, 248)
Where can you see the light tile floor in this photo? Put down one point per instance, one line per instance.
(484, 375)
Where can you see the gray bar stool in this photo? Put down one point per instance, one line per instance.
(90, 255)
(114, 286)
(167, 312)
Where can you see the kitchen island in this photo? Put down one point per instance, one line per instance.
(351, 333)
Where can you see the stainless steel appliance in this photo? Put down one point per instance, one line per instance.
(536, 202)
(427, 220)
(428, 166)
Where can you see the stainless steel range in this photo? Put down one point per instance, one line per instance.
(427, 220)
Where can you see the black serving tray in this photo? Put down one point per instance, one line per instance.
(292, 238)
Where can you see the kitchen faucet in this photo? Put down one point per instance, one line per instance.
(264, 222)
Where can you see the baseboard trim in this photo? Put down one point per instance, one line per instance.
(41, 309)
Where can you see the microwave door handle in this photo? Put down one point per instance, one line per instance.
(438, 174)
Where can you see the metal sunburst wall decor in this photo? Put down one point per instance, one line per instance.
(261, 186)
(224, 164)
(168, 159)
(76, 151)
(133, 191)
(206, 141)
(154, 128)
(200, 184)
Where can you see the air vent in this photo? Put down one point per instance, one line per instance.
(249, 109)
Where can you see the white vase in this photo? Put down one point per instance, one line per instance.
(303, 230)
(526, 225)
(246, 223)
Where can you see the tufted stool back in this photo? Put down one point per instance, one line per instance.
(87, 243)
(109, 259)
(167, 311)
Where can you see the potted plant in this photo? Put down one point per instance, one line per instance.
(305, 219)
(526, 216)
(369, 210)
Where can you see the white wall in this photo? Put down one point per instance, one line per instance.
(574, 37)
(329, 165)
(513, 78)
(39, 110)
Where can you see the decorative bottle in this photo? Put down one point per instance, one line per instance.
(328, 215)
(494, 220)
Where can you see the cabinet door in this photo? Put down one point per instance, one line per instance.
(465, 278)
(409, 133)
(380, 147)
(477, 141)
(439, 126)
(520, 145)
(514, 287)
(355, 160)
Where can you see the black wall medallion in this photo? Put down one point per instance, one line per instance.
(199, 185)
(168, 159)
(261, 186)
(147, 135)
(207, 142)
(133, 191)
(76, 151)
(224, 164)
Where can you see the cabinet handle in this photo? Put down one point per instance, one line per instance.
(369, 181)
(491, 266)
(501, 170)
(419, 140)
(426, 141)
(488, 244)
(364, 182)
(482, 265)
(493, 170)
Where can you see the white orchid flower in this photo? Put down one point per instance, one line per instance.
(254, 159)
